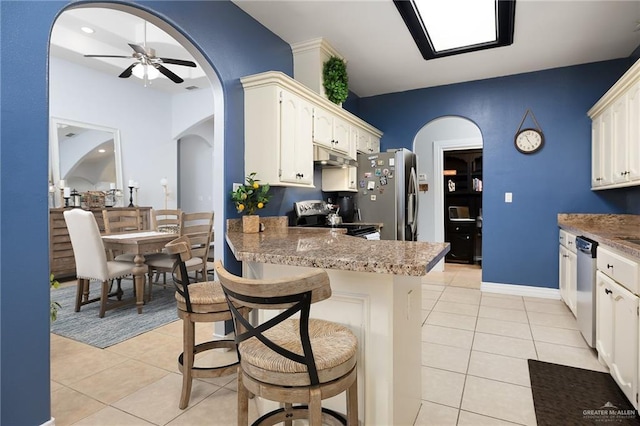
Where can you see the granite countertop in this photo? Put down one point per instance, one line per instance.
(613, 230)
(332, 249)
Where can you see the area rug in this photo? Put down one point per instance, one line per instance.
(574, 396)
(118, 324)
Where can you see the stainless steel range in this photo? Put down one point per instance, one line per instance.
(316, 213)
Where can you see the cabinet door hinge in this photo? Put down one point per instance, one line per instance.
(636, 397)
(280, 97)
(279, 173)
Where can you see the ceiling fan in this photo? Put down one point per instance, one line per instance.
(147, 65)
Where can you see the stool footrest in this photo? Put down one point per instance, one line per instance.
(208, 372)
(298, 412)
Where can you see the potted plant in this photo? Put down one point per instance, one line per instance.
(53, 283)
(249, 198)
(335, 80)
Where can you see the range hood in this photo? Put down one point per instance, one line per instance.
(324, 157)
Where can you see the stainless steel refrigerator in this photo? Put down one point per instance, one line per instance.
(388, 193)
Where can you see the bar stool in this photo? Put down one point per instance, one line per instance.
(291, 361)
(198, 302)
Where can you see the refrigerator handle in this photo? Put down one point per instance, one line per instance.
(412, 205)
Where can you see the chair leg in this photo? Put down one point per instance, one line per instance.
(85, 291)
(287, 407)
(119, 291)
(189, 339)
(352, 404)
(79, 294)
(243, 401)
(315, 407)
(103, 298)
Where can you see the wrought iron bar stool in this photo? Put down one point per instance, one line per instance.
(198, 302)
(299, 360)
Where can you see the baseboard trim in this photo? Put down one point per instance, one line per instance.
(50, 422)
(520, 290)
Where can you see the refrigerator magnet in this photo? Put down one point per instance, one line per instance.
(367, 175)
(373, 164)
(392, 162)
(362, 183)
(378, 172)
(383, 180)
(373, 197)
(371, 185)
(385, 172)
(380, 162)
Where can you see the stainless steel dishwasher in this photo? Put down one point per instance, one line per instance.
(586, 278)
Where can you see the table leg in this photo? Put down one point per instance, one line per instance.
(139, 277)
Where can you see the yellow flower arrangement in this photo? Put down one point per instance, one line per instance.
(251, 196)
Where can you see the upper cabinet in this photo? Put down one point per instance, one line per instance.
(615, 134)
(284, 119)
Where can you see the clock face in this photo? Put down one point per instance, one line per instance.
(529, 141)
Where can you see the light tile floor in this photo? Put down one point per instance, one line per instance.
(474, 370)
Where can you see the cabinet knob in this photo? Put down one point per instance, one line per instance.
(299, 175)
(598, 179)
(609, 266)
(607, 291)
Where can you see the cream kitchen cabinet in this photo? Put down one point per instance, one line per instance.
(568, 263)
(283, 120)
(617, 319)
(366, 142)
(615, 157)
(339, 179)
(278, 136)
(332, 132)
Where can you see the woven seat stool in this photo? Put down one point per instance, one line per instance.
(198, 302)
(297, 362)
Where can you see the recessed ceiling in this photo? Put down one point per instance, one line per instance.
(113, 31)
(383, 58)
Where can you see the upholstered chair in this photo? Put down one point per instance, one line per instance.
(91, 261)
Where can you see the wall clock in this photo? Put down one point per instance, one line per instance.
(529, 140)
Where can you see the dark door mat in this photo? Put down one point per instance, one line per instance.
(574, 396)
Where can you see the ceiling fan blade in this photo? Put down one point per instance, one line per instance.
(173, 77)
(178, 62)
(106, 56)
(127, 72)
(138, 49)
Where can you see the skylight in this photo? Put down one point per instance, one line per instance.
(449, 27)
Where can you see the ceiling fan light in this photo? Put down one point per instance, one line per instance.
(152, 72)
(139, 71)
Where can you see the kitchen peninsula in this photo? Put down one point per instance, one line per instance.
(376, 291)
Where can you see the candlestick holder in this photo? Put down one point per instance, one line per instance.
(136, 197)
(131, 196)
(66, 201)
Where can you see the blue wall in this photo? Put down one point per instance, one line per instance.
(519, 239)
(234, 43)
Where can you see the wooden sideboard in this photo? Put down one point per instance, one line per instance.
(61, 260)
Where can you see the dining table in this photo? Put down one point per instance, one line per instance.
(140, 244)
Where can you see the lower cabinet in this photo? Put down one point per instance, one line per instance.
(617, 333)
(461, 236)
(568, 270)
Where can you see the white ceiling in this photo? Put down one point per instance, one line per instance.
(370, 34)
(113, 31)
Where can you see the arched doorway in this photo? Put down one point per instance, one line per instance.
(442, 134)
(214, 111)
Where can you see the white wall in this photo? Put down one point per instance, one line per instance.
(146, 118)
(196, 174)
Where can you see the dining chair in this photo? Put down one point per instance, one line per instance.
(198, 302)
(121, 221)
(197, 226)
(166, 220)
(287, 359)
(91, 261)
